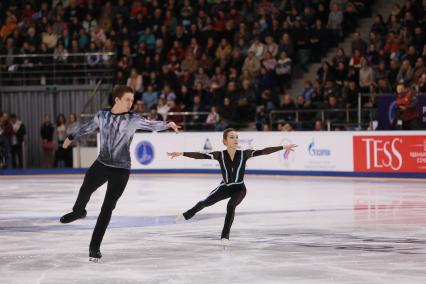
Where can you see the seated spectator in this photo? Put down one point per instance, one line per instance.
(213, 117)
(140, 107)
(366, 76)
(304, 106)
(223, 52)
(257, 47)
(333, 113)
(189, 63)
(226, 112)
(197, 106)
(325, 73)
(283, 70)
(406, 73)
(319, 125)
(287, 104)
(252, 64)
(174, 107)
(153, 114)
(163, 108)
(355, 60)
(136, 83)
(340, 58)
(307, 90)
(269, 62)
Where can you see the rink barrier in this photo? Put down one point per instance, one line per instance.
(79, 171)
(395, 154)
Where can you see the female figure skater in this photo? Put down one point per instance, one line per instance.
(117, 127)
(232, 164)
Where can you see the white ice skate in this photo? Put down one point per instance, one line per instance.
(180, 218)
(94, 259)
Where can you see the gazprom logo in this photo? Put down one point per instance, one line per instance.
(144, 152)
(317, 152)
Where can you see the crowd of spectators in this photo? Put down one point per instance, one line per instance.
(231, 59)
(392, 53)
(231, 62)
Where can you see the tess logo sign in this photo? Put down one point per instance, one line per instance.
(389, 153)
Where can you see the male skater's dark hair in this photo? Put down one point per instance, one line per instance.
(120, 90)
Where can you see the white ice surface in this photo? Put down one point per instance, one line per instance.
(287, 230)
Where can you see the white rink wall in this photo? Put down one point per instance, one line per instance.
(369, 152)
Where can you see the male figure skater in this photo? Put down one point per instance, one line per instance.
(117, 127)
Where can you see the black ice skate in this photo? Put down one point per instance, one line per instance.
(95, 255)
(72, 216)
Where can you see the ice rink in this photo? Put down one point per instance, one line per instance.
(287, 230)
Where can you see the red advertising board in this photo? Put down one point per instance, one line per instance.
(391, 153)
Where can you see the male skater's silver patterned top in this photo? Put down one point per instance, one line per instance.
(116, 134)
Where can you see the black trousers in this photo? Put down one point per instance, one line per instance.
(16, 151)
(413, 124)
(96, 176)
(236, 192)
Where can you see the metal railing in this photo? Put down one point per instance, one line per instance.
(191, 120)
(52, 69)
(362, 117)
(303, 117)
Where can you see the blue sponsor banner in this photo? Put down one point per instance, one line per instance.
(144, 152)
(386, 112)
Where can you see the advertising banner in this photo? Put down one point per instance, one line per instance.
(386, 152)
(315, 152)
(390, 153)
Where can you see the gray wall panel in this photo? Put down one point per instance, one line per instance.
(31, 106)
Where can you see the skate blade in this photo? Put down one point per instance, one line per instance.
(224, 244)
(94, 259)
(180, 219)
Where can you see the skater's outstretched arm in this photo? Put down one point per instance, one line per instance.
(87, 128)
(154, 125)
(195, 155)
(269, 150)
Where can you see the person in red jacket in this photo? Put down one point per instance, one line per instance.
(407, 108)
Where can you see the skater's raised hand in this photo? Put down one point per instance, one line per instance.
(174, 154)
(289, 147)
(174, 126)
(66, 143)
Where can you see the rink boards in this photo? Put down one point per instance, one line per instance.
(395, 153)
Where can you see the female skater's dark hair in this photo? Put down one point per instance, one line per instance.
(226, 132)
(120, 90)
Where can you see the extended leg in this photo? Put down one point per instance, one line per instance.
(218, 194)
(94, 178)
